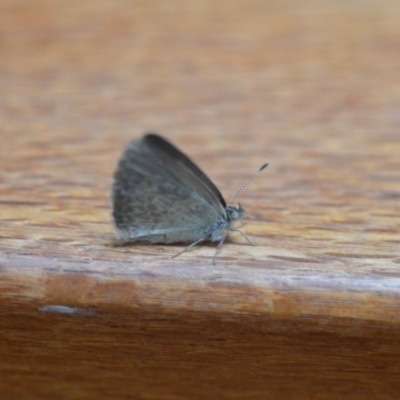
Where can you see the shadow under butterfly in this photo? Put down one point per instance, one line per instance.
(160, 196)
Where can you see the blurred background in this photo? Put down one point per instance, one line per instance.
(312, 87)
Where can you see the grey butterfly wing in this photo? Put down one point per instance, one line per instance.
(160, 196)
(188, 171)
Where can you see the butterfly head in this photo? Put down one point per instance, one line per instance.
(234, 213)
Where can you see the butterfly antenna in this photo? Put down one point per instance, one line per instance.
(246, 183)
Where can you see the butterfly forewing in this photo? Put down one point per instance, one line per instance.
(185, 170)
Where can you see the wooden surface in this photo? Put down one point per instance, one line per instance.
(312, 312)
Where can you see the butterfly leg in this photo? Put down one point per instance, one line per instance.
(244, 235)
(189, 247)
(221, 242)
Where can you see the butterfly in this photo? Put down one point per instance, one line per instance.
(160, 196)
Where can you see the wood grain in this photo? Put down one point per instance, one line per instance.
(311, 312)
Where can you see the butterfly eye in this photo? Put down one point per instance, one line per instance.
(234, 213)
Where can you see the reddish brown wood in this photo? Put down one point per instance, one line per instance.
(311, 312)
